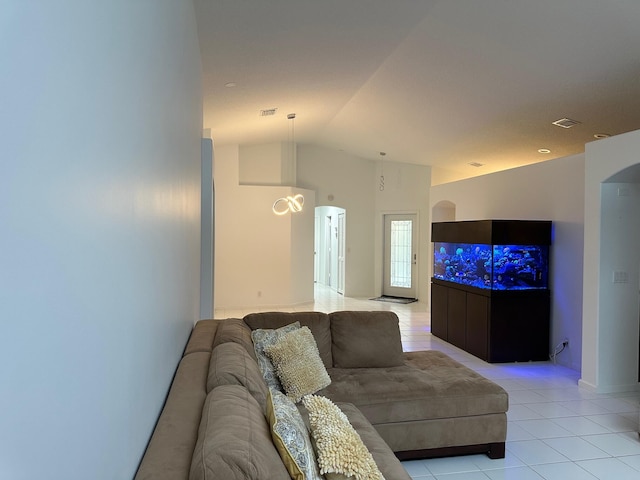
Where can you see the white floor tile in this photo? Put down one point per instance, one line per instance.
(525, 396)
(543, 428)
(551, 410)
(517, 473)
(516, 433)
(416, 468)
(563, 471)
(616, 405)
(509, 461)
(535, 452)
(609, 469)
(521, 412)
(633, 461)
(439, 466)
(584, 407)
(614, 444)
(614, 422)
(463, 476)
(581, 426)
(575, 448)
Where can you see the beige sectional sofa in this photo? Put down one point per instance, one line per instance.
(403, 405)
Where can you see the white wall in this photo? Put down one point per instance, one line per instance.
(261, 259)
(268, 164)
(406, 190)
(611, 238)
(99, 228)
(552, 190)
(345, 181)
(206, 229)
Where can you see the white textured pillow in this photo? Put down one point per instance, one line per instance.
(339, 448)
(263, 338)
(297, 363)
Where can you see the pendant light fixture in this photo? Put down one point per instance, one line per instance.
(290, 203)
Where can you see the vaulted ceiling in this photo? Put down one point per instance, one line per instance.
(446, 83)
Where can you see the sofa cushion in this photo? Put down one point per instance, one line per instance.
(339, 448)
(234, 442)
(430, 385)
(234, 330)
(317, 322)
(263, 338)
(231, 365)
(365, 339)
(297, 363)
(202, 335)
(291, 437)
(168, 455)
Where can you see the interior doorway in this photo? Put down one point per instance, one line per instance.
(329, 241)
(400, 258)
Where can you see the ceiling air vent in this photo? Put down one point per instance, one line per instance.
(566, 122)
(476, 164)
(268, 112)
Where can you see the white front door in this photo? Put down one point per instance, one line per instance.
(400, 259)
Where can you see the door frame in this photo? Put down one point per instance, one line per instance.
(330, 253)
(386, 289)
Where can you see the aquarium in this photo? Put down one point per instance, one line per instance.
(494, 267)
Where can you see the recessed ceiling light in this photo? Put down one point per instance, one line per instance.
(268, 112)
(566, 123)
(231, 84)
(601, 135)
(476, 164)
(544, 150)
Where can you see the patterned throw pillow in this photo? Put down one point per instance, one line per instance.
(262, 338)
(339, 448)
(297, 363)
(291, 438)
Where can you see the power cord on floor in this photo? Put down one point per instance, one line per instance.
(559, 348)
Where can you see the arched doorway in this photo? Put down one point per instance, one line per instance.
(443, 211)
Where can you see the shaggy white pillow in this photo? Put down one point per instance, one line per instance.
(339, 448)
(297, 363)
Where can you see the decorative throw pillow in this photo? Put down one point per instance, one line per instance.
(291, 438)
(339, 448)
(298, 365)
(262, 338)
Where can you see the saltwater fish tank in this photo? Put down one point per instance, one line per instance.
(492, 267)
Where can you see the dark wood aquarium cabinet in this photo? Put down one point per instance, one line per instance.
(489, 290)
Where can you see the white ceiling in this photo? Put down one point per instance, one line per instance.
(434, 82)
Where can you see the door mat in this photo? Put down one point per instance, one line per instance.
(394, 299)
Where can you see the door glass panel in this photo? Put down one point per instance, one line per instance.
(401, 250)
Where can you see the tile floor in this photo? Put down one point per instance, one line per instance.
(556, 431)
